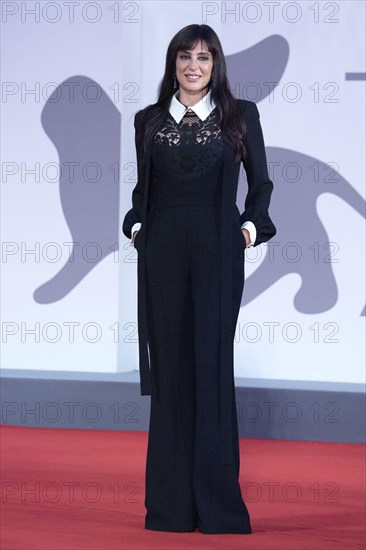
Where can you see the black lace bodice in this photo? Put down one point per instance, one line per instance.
(190, 150)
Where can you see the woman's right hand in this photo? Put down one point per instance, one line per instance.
(135, 229)
(134, 235)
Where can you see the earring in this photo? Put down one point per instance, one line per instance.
(175, 82)
(212, 75)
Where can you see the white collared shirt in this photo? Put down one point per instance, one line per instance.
(202, 109)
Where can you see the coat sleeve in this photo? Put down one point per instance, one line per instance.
(259, 185)
(135, 213)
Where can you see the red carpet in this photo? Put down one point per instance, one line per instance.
(81, 489)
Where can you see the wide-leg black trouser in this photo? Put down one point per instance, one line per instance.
(186, 487)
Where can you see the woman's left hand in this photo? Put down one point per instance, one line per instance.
(246, 236)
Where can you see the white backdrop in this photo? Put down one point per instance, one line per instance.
(74, 74)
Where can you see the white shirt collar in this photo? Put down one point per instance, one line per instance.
(202, 109)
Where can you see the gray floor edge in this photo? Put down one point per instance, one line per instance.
(266, 409)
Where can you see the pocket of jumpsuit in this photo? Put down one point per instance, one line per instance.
(238, 226)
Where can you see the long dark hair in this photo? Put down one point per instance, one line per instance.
(230, 118)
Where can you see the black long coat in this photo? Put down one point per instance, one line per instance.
(255, 210)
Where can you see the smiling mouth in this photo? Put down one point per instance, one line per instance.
(192, 77)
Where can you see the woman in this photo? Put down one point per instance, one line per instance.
(190, 239)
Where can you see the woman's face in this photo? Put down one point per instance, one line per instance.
(198, 62)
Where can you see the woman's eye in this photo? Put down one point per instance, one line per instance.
(204, 58)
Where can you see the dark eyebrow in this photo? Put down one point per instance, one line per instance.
(199, 53)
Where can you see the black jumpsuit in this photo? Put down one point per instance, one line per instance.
(186, 486)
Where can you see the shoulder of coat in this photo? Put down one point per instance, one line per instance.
(246, 104)
(146, 111)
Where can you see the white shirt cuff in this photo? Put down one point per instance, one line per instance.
(252, 232)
